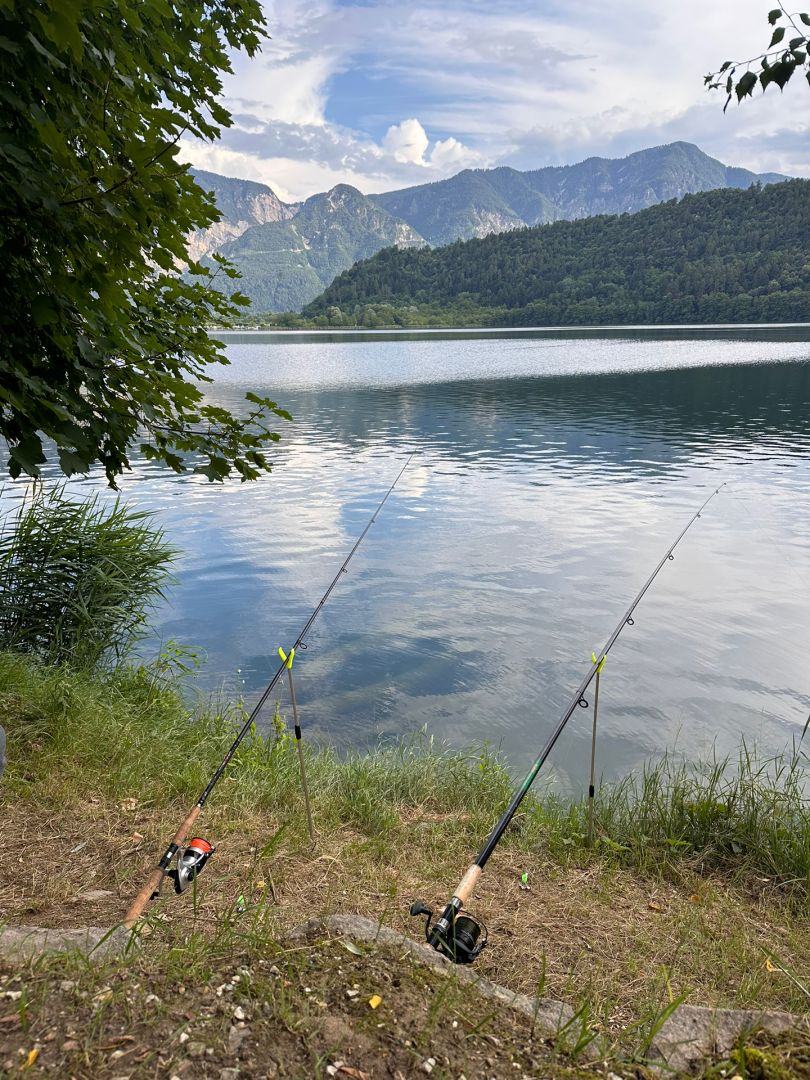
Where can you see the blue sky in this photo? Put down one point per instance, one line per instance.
(382, 94)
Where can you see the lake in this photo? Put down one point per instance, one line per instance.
(551, 471)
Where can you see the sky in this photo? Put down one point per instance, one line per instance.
(383, 94)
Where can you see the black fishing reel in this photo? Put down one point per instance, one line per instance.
(190, 863)
(455, 934)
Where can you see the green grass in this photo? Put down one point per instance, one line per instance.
(130, 733)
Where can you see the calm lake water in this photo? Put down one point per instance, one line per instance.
(551, 471)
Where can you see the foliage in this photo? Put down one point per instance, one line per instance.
(719, 256)
(750, 813)
(102, 342)
(76, 578)
(787, 53)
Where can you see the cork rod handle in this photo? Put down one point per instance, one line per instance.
(138, 905)
(466, 887)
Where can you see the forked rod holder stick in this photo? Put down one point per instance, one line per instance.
(304, 786)
(592, 783)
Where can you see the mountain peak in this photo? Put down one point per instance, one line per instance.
(483, 201)
(242, 204)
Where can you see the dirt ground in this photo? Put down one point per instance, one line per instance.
(628, 942)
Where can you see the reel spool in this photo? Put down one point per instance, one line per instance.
(456, 934)
(190, 863)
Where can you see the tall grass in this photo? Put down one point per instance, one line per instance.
(724, 811)
(77, 578)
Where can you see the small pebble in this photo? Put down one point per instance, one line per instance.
(239, 1013)
(184, 1036)
(236, 1036)
(429, 1065)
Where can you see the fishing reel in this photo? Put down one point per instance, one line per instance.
(190, 863)
(455, 934)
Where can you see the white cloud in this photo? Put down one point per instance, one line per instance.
(407, 141)
(523, 82)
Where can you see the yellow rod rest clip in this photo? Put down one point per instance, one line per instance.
(288, 660)
(593, 658)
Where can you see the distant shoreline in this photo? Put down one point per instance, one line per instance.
(499, 331)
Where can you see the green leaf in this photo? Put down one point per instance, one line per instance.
(805, 18)
(778, 34)
(780, 73)
(775, 14)
(746, 85)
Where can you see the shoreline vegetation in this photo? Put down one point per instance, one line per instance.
(293, 321)
(695, 891)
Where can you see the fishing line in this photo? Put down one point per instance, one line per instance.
(456, 934)
(193, 858)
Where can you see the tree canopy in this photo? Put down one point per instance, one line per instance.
(717, 256)
(102, 343)
(787, 53)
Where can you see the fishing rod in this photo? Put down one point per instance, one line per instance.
(192, 860)
(456, 934)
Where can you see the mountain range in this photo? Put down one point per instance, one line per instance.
(242, 203)
(288, 253)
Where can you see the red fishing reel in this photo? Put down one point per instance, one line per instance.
(190, 863)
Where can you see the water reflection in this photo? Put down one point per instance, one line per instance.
(537, 503)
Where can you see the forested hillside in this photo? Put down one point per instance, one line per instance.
(719, 256)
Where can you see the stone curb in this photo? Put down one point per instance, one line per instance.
(26, 942)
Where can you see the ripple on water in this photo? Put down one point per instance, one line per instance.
(550, 473)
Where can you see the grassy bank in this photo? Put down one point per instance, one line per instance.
(697, 888)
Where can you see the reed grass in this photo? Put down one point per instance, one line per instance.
(77, 578)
